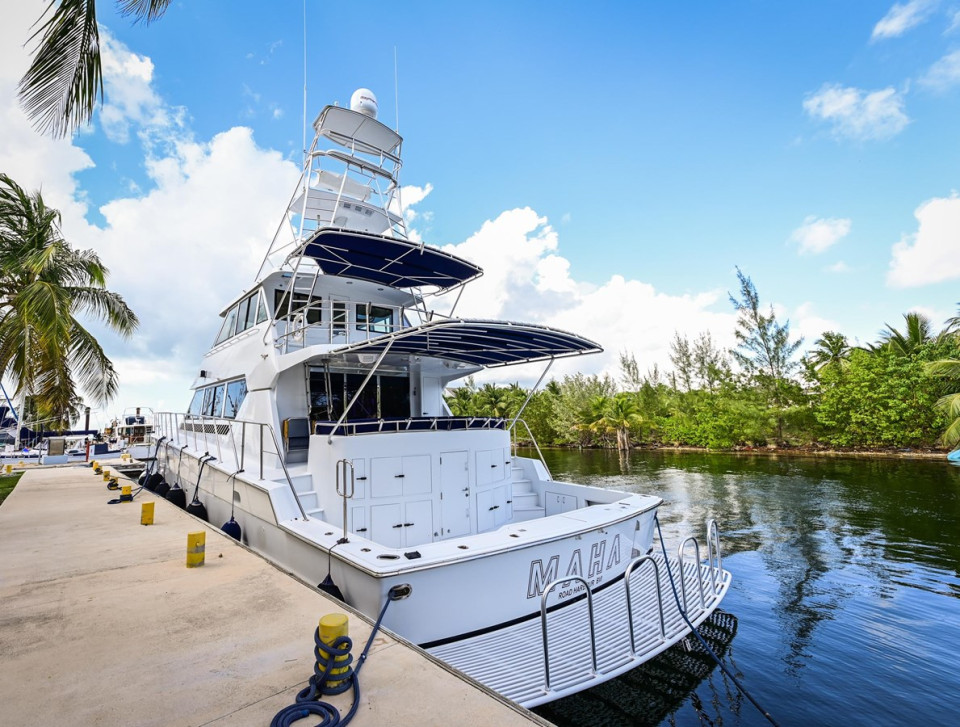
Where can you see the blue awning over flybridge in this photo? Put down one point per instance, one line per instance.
(387, 260)
(478, 343)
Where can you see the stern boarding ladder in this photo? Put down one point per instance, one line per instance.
(599, 636)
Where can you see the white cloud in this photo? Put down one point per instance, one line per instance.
(527, 279)
(954, 21)
(857, 114)
(129, 98)
(902, 17)
(806, 324)
(930, 254)
(838, 267)
(817, 234)
(943, 74)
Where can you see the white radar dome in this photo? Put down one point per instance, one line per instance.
(365, 102)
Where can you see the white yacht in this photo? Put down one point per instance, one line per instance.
(318, 423)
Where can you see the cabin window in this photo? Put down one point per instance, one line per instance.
(196, 404)
(374, 318)
(216, 404)
(312, 303)
(229, 324)
(207, 401)
(383, 397)
(243, 309)
(236, 391)
(246, 314)
(339, 317)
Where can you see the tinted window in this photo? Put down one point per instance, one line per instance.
(207, 401)
(229, 323)
(243, 308)
(251, 315)
(236, 390)
(374, 318)
(261, 310)
(196, 404)
(217, 402)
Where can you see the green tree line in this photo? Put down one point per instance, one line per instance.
(897, 392)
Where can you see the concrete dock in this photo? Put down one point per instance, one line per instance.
(102, 623)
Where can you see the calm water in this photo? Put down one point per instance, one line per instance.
(845, 597)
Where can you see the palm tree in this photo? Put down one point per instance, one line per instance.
(621, 415)
(830, 351)
(64, 81)
(44, 285)
(949, 404)
(918, 331)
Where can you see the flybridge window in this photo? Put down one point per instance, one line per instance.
(219, 400)
(246, 314)
(374, 318)
(301, 301)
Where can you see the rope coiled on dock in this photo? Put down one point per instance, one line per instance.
(308, 701)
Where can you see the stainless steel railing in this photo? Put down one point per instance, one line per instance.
(543, 624)
(713, 550)
(514, 443)
(244, 445)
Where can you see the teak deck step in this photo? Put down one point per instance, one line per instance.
(511, 660)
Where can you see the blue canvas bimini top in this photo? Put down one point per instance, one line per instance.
(478, 342)
(387, 260)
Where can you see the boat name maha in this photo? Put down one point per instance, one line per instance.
(541, 577)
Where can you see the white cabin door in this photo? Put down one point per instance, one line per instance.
(454, 494)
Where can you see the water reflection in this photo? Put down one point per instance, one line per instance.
(655, 690)
(846, 571)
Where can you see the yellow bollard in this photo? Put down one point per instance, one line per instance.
(333, 626)
(196, 549)
(126, 494)
(95, 465)
(9, 468)
(106, 475)
(146, 513)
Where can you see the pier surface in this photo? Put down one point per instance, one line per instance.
(103, 624)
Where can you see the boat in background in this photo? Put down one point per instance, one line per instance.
(318, 432)
(132, 432)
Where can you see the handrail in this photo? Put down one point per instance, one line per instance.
(535, 445)
(341, 469)
(171, 424)
(407, 424)
(713, 551)
(696, 553)
(543, 624)
(635, 563)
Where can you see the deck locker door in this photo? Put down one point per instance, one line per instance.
(454, 494)
(417, 523)
(416, 474)
(386, 476)
(386, 524)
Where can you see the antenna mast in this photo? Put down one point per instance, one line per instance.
(396, 89)
(304, 81)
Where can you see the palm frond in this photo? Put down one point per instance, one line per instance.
(145, 10)
(63, 83)
(93, 370)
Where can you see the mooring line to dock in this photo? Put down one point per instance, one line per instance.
(693, 630)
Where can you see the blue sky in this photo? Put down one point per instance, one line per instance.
(607, 164)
